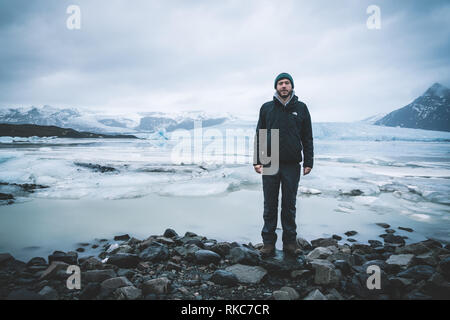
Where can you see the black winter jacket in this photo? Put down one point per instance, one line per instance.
(295, 130)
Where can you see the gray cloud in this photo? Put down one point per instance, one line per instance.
(222, 56)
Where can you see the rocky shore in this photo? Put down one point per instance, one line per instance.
(192, 267)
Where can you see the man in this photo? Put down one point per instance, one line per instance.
(293, 120)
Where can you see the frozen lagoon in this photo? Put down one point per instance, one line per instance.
(401, 179)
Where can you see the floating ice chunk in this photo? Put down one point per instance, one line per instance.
(306, 190)
(344, 207)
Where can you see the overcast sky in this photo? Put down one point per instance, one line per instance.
(208, 55)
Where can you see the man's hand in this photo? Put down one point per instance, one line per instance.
(258, 168)
(306, 170)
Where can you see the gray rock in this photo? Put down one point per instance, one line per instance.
(170, 233)
(420, 272)
(128, 293)
(156, 286)
(156, 252)
(343, 265)
(324, 242)
(325, 272)
(124, 249)
(304, 244)
(300, 274)
(166, 241)
(334, 295)
(114, 283)
(187, 251)
(375, 244)
(221, 248)
(37, 261)
(190, 234)
(206, 257)
(319, 253)
(280, 295)
(69, 257)
(400, 259)
(400, 283)
(282, 265)
(390, 238)
(97, 275)
(89, 291)
(247, 274)
(414, 248)
(48, 293)
(5, 257)
(292, 293)
(223, 277)
(244, 255)
(426, 258)
(315, 295)
(360, 248)
(444, 267)
(383, 225)
(350, 233)
(389, 231)
(406, 229)
(124, 260)
(91, 263)
(53, 269)
(123, 237)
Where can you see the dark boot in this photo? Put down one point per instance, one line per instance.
(292, 249)
(268, 250)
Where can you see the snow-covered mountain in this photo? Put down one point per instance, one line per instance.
(430, 111)
(86, 120)
(80, 120)
(373, 119)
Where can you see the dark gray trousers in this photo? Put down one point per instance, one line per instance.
(288, 176)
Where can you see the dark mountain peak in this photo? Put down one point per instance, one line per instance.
(430, 111)
(437, 90)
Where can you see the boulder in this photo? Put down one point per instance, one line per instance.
(69, 257)
(206, 257)
(170, 233)
(91, 263)
(123, 237)
(319, 253)
(324, 242)
(325, 272)
(244, 255)
(402, 260)
(124, 260)
(48, 293)
(53, 269)
(224, 277)
(156, 286)
(114, 283)
(155, 252)
(247, 274)
(127, 293)
(315, 295)
(420, 272)
(97, 275)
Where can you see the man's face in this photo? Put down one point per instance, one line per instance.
(284, 88)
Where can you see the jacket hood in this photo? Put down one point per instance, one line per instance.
(293, 97)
